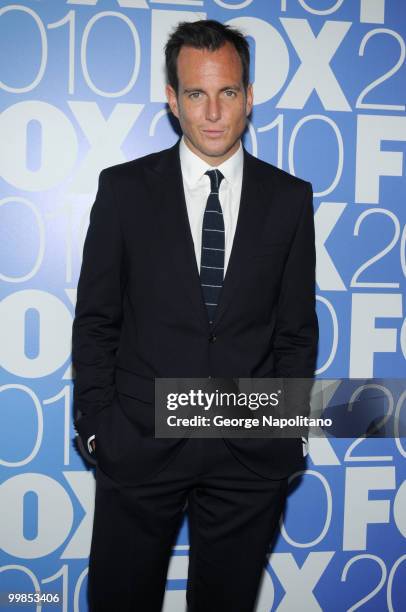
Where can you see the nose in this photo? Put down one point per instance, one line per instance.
(213, 110)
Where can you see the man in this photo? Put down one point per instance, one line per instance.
(199, 262)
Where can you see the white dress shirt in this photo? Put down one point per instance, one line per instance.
(197, 188)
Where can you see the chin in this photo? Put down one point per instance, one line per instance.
(217, 149)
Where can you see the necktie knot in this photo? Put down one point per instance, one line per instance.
(215, 177)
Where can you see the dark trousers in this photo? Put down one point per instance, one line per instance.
(233, 514)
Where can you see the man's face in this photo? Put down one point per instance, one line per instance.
(211, 103)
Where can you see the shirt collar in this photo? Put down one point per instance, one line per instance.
(193, 167)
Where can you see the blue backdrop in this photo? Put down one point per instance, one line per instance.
(82, 88)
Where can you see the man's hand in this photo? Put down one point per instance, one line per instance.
(93, 444)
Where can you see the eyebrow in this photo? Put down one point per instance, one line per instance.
(193, 89)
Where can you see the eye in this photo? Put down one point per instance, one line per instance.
(230, 93)
(194, 95)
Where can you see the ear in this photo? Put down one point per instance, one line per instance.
(250, 100)
(172, 100)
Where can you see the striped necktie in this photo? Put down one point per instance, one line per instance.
(212, 258)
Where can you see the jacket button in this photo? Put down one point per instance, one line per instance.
(212, 338)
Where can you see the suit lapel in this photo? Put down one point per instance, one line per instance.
(175, 229)
(252, 212)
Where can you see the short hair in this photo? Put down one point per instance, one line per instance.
(204, 34)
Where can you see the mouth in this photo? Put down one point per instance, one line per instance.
(213, 133)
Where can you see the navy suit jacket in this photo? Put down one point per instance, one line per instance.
(140, 312)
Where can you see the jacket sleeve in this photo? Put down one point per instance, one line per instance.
(296, 334)
(296, 331)
(98, 312)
